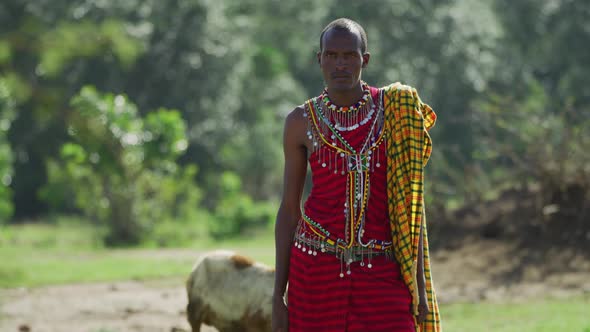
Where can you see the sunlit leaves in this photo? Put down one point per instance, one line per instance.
(164, 135)
(72, 40)
(5, 52)
(116, 162)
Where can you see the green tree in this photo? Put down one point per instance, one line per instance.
(54, 51)
(234, 69)
(532, 118)
(121, 168)
(6, 158)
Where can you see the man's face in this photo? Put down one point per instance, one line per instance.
(341, 59)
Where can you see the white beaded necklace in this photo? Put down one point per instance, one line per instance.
(348, 120)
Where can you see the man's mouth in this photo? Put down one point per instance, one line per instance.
(340, 76)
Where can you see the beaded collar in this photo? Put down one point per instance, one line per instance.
(331, 106)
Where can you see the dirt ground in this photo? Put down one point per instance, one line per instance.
(493, 252)
(104, 307)
(157, 306)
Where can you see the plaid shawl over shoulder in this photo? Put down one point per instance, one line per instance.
(407, 120)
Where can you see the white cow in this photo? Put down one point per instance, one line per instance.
(230, 292)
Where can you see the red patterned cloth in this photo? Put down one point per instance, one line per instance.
(367, 299)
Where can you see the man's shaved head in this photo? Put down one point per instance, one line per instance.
(347, 25)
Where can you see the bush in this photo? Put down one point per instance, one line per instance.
(181, 233)
(120, 168)
(534, 139)
(236, 212)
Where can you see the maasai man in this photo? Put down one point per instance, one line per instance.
(356, 257)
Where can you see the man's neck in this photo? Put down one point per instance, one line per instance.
(346, 97)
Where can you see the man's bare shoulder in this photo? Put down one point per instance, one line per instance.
(297, 118)
(296, 127)
(297, 114)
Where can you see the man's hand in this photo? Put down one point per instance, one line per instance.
(280, 315)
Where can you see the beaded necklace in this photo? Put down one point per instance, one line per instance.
(348, 118)
(364, 99)
(356, 165)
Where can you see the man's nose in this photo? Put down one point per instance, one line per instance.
(341, 62)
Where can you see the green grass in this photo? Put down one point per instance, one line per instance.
(546, 315)
(66, 233)
(71, 252)
(33, 267)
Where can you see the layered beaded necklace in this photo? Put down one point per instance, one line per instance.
(326, 122)
(347, 117)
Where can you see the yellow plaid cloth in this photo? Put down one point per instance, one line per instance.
(407, 120)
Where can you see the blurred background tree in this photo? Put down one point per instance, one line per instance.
(6, 157)
(505, 78)
(121, 169)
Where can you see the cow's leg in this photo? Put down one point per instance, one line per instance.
(194, 314)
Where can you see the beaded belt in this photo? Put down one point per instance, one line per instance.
(356, 253)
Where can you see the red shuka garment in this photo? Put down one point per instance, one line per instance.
(368, 299)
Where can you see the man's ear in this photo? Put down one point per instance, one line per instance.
(319, 57)
(366, 58)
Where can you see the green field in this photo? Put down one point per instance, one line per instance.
(547, 315)
(36, 255)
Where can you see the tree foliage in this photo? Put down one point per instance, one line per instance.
(503, 76)
(6, 157)
(530, 122)
(120, 168)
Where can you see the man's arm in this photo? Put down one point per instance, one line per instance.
(421, 277)
(290, 209)
(423, 308)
